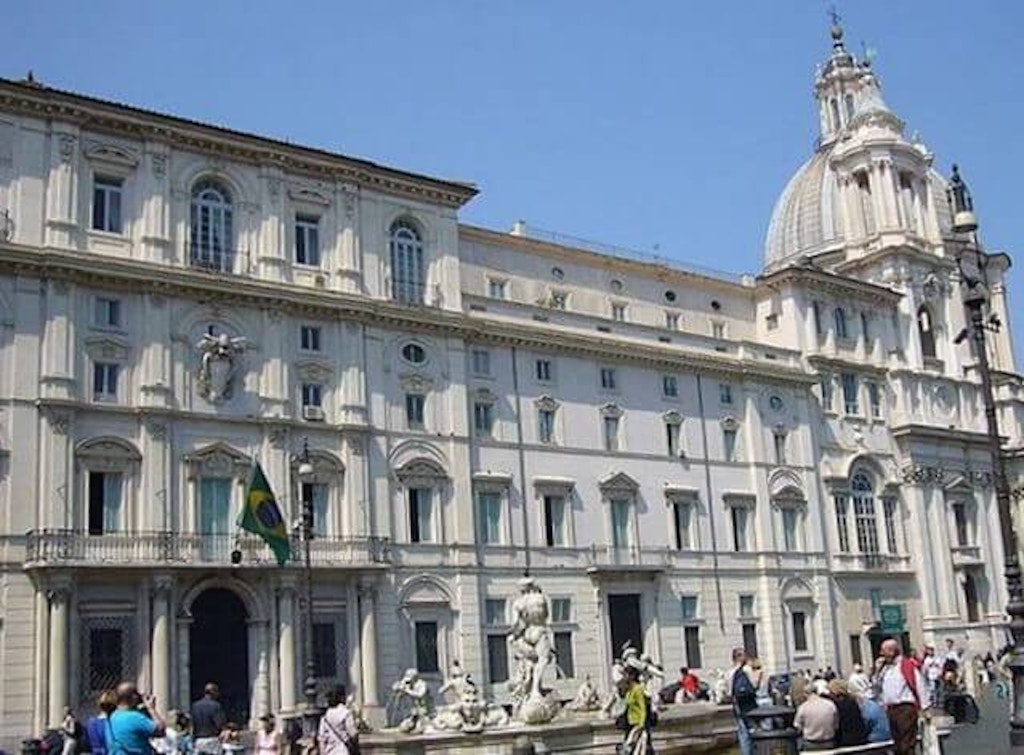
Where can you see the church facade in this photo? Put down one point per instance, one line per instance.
(793, 462)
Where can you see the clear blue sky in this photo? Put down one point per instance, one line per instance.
(674, 123)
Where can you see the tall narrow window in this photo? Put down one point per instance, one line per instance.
(669, 386)
(851, 405)
(779, 438)
(971, 598)
(682, 515)
(542, 369)
(408, 267)
(816, 311)
(963, 537)
(790, 529)
(619, 312)
(107, 312)
(875, 399)
(489, 508)
(842, 328)
(312, 395)
(672, 320)
(104, 381)
(622, 531)
(865, 328)
(307, 240)
(725, 393)
(309, 338)
(864, 513)
(211, 231)
(483, 418)
(496, 626)
(421, 515)
(672, 432)
(890, 510)
(848, 103)
(800, 631)
(611, 433)
(842, 504)
(481, 359)
(740, 522)
(608, 378)
(837, 121)
(414, 403)
(325, 654)
(867, 202)
(689, 604)
(427, 661)
(564, 653)
(214, 506)
(750, 639)
(318, 494)
(729, 443)
(104, 502)
(926, 331)
(691, 639)
(106, 204)
(555, 525)
(546, 425)
(827, 391)
(496, 288)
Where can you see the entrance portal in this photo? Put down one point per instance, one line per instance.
(219, 651)
(624, 613)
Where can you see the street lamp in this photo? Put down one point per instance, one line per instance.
(311, 713)
(972, 262)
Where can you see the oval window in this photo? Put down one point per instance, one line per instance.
(413, 352)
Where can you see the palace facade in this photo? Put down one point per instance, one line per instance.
(794, 462)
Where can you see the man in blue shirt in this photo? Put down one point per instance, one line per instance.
(134, 723)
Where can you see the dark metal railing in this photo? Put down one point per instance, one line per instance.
(60, 546)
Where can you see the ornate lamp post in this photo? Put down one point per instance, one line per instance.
(972, 262)
(311, 713)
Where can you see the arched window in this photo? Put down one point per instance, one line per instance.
(926, 330)
(863, 493)
(836, 120)
(408, 278)
(211, 235)
(848, 100)
(841, 329)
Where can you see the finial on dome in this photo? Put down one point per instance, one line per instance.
(962, 203)
(837, 30)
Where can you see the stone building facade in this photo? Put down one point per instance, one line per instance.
(685, 460)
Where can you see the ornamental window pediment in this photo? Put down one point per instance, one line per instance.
(421, 473)
(107, 349)
(485, 396)
(112, 155)
(416, 384)
(309, 195)
(681, 494)
(730, 423)
(619, 482)
(314, 371)
(108, 455)
(218, 460)
(327, 467)
(739, 500)
(613, 411)
(672, 418)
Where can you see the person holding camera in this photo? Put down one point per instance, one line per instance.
(135, 721)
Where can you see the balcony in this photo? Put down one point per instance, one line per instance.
(216, 258)
(168, 549)
(873, 563)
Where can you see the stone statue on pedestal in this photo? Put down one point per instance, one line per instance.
(587, 699)
(415, 689)
(533, 650)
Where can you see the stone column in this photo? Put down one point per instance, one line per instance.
(143, 633)
(42, 647)
(184, 660)
(368, 643)
(352, 634)
(286, 644)
(58, 662)
(260, 704)
(161, 641)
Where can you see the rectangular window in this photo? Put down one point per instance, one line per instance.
(672, 433)
(790, 529)
(889, 510)
(421, 526)
(309, 338)
(867, 204)
(867, 525)
(827, 392)
(740, 521)
(772, 321)
(414, 410)
(865, 327)
(564, 654)
(107, 312)
(489, 506)
(842, 505)
(747, 606)
(816, 311)
(106, 204)
(611, 433)
(325, 650)
(554, 521)
(718, 330)
(307, 240)
(622, 532)
(481, 362)
(669, 386)
(856, 654)
(850, 403)
(608, 378)
(105, 489)
(104, 381)
(691, 638)
(427, 661)
(546, 425)
(725, 393)
(312, 394)
(106, 659)
(689, 607)
(750, 640)
(729, 443)
(672, 320)
(561, 610)
(780, 448)
(875, 400)
(494, 612)
(558, 299)
(318, 493)
(496, 288)
(619, 312)
(214, 507)
(483, 418)
(682, 513)
(800, 632)
(497, 658)
(543, 370)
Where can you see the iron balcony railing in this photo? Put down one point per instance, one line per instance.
(217, 258)
(164, 548)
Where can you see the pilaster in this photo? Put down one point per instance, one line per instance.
(286, 643)
(61, 186)
(59, 597)
(156, 193)
(161, 641)
(368, 643)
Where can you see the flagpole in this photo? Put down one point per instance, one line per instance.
(311, 712)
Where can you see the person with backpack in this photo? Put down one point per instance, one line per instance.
(742, 684)
(899, 688)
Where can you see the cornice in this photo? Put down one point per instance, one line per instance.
(136, 123)
(935, 432)
(139, 276)
(663, 273)
(847, 364)
(829, 282)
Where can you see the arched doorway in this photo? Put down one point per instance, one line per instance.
(219, 650)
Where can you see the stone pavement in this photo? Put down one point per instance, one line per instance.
(989, 736)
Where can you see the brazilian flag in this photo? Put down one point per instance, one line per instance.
(261, 515)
